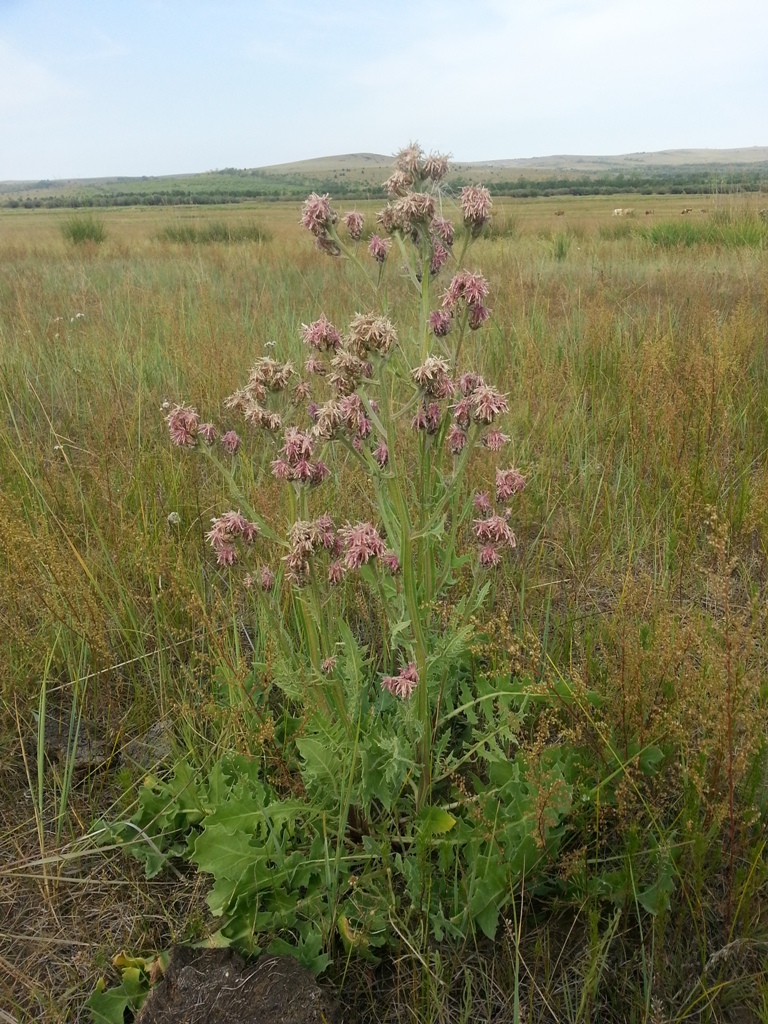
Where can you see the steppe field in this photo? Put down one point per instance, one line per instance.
(570, 824)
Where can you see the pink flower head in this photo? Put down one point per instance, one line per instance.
(301, 392)
(439, 257)
(476, 206)
(391, 562)
(370, 333)
(444, 231)
(225, 530)
(469, 382)
(470, 287)
(230, 442)
(315, 365)
(508, 483)
(495, 530)
(324, 532)
(419, 421)
(298, 445)
(208, 432)
(361, 543)
(183, 423)
(404, 684)
(482, 502)
(280, 469)
(435, 166)
(321, 334)
(354, 225)
(457, 439)
(478, 314)
(267, 578)
(317, 215)
(432, 376)
(302, 471)
(408, 159)
(440, 321)
(433, 417)
(462, 411)
(379, 248)
(494, 440)
(319, 473)
(328, 665)
(411, 209)
(398, 183)
(335, 573)
(487, 403)
(489, 556)
(381, 454)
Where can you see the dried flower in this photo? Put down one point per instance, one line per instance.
(381, 454)
(182, 423)
(328, 665)
(379, 248)
(230, 442)
(440, 321)
(439, 257)
(494, 440)
(267, 578)
(361, 543)
(482, 502)
(391, 562)
(328, 245)
(208, 432)
(495, 530)
(370, 333)
(408, 159)
(321, 334)
(404, 684)
(435, 166)
(487, 403)
(397, 184)
(443, 229)
(301, 392)
(478, 314)
(354, 224)
(431, 375)
(225, 530)
(317, 215)
(456, 439)
(315, 365)
(470, 287)
(489, 556)
(476, 206)
(469, 382)
(173, 519)
(508, 483)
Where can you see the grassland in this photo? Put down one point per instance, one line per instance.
(636, 366)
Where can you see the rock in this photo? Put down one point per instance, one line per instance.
(151, 748)
(215, 986)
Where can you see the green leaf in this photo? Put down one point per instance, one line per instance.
(434, 821)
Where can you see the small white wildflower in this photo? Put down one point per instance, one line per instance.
(174, 518)
(166, 405)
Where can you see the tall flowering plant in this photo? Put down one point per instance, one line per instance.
(390, 721)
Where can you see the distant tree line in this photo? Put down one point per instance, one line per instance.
(263, 186)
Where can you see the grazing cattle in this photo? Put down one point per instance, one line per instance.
(629, 213)
(688, 209)
(559, 213)
(618, 213)
(649, 213)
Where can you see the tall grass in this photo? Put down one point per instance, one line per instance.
(636, 383)
(213, 231)
(84, 227)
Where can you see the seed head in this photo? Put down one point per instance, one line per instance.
(317, 215)
(230, 442)
(379, 248)
(321, 334)
(476, 206)
(354, 225)
(183, 423)
(508, 483)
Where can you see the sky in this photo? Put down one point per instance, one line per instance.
(91, 88)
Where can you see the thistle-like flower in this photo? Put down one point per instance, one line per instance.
(478, 314)
(183, 423)
(495, 530)
(440, 321)
(370, 333)
(230, 442)
(321, 334)
(379, 248)
(317, 215)
(435, 166)
(381, 454)
(508, 483)
(404, 684)
(487, 403)
(456, 439)
(470, 287)
(476, 206)
(354, 225)
(208, 432)
(443, 229)
(361, 543)
(494, 440)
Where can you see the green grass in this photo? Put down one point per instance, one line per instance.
(84, 228)
(213, 231)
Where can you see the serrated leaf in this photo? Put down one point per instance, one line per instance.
(434, 821)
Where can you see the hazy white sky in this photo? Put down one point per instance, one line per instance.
(101, 87)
